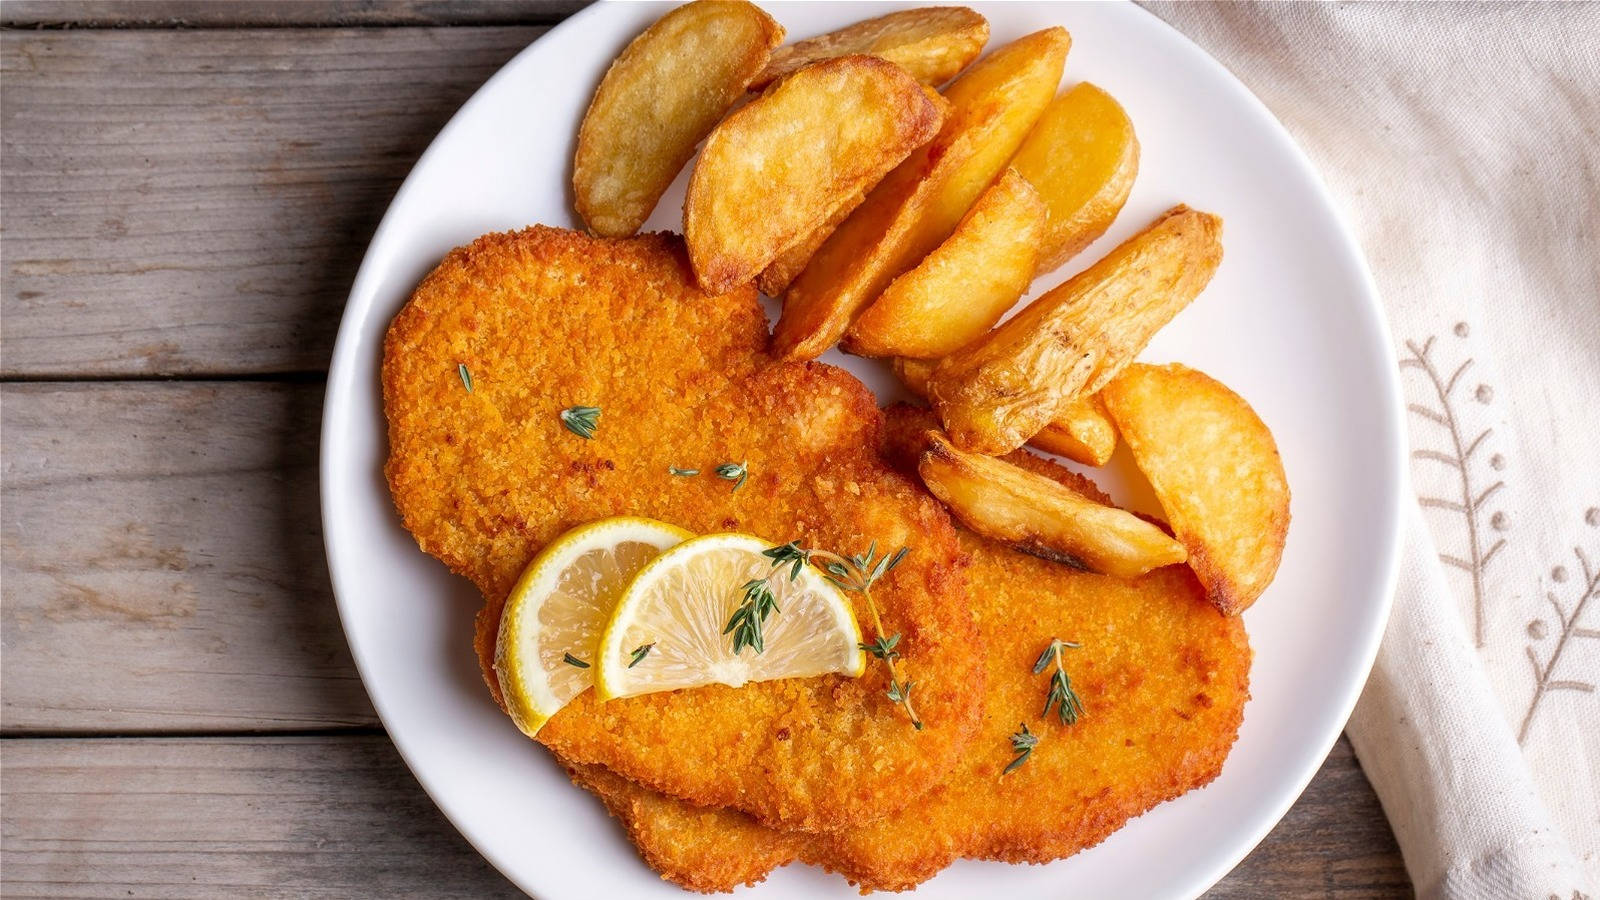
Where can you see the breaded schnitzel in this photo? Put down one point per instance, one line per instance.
(512, 329)
(1163, 678)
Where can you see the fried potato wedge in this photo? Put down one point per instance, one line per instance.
(966, 284)
(1216, 470)
(1082, 431)
(997, 393)
(776, 169)
(660, 98)
(781, 272)
(1083, 157)
(1034, 514)
(992, 107)
(933, 43)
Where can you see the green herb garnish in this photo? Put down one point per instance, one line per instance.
(1022, 744)
(746, 621)
(1061, 695)
(734, 472)
(571, 660)
(856, 573)
(466, 376)
(883, 647)
(683, 473)
(639, 653)
(581, 420)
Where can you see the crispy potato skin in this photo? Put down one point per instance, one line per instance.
(1035, 515)
(1083, 157)
(781, 272)
(775, 170)
(917, 206)
(997, 393)
(660, 99)
(1216, 470)
(546, 318)
(957, 292)
(1163, 678)
(933, 43)
(1082, 431)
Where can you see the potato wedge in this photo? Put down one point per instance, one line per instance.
(660, 98)
(933, 43)
(1082, 431)
(1083, 157)
(781, 272)
(1216, 470)
(1036, 515)
(779, 167)
(996, 394)
(992, 106)
(957, 292)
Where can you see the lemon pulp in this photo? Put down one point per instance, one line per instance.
(556, 612)
(666, 631)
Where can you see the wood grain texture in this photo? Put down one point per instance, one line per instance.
(340, 816)
(227, 817)
(195, 203)
(162, 564)
(279, 13)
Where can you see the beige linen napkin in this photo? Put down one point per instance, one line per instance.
(1462, 142)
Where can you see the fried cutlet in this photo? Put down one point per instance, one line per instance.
(1163, 678)
(484, 474)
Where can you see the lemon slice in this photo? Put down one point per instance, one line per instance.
(667, 630)
(558, 608)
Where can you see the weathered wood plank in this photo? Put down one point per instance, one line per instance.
(203, 818)
(162, 561)
(191, 203)
(1334, 842)
(281, 817)
(279, 13)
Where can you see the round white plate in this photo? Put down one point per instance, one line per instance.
(1291, 321)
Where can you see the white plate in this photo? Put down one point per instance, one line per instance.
(1291, 321)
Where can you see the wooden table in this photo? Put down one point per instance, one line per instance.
(187, 190)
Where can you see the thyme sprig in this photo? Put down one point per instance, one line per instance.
(1069, 708)
(850, 573)
(747, 620)
(1022, 744)
(581, 420)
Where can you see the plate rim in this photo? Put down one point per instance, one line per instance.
(341, 382)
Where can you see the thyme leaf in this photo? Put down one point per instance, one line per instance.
(581, 420)
(639, 653)
(571, 660)
(466, 376)
(1022, 744)
(734, 472)
(883, 647)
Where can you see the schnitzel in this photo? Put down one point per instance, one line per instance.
(1162, 676)
(512, 329)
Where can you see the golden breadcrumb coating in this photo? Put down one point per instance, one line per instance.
(1163, 678)
(545, 319)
